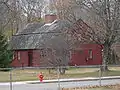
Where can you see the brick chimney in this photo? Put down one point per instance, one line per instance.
(49, 18)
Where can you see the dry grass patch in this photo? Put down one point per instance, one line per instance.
(106, 87)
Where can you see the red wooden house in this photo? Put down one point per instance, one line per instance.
(38, 40)
(86, 54)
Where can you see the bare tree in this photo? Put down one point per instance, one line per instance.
(56, 52)
(4, 11)
(15, 14)
(103, 17)
(104, 21)
(65, 9)
(59, 59)
(32, 9)
(11, 17)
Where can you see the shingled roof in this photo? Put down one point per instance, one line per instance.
(39, 35)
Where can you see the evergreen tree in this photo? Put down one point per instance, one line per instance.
(5, 54)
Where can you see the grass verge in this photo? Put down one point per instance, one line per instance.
(32, 74)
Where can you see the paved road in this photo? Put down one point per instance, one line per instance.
(54, 86)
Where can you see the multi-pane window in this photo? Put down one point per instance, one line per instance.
(90, 54)
(18, 54)
(43, 53)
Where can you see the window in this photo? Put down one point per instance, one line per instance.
(14, 55)
(43, 53)
(90, 54)
(18, 54)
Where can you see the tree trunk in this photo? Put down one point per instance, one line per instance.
(104, 68)
(106, 55)
(49, 71)
(61, 70)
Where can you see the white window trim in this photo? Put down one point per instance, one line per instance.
(18, 56)
(90, 54)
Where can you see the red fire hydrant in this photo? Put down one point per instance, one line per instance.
(40, 77)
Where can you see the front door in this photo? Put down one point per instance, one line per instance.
(30, 58)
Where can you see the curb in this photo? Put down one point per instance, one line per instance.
(63, 80)
(73, 80)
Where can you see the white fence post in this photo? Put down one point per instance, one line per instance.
(100, 75)
(58, 72)
(11, 79)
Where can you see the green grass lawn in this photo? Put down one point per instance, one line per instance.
(32, 74)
